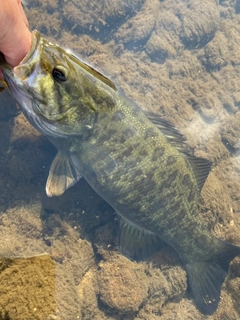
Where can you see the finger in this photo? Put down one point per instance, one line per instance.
(23, 15)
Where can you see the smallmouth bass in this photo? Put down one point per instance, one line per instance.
(134, 159)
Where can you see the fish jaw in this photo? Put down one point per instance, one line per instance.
(25, 70)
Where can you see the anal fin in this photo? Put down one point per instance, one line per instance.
(136, 243)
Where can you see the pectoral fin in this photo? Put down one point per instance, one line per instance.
(62, 175)
(136, 243)
(200, 166)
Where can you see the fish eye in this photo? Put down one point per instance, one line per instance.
(59, 75)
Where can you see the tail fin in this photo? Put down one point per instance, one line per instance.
(207, 277)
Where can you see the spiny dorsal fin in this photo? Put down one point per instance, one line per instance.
(200, 166)
(171, 133)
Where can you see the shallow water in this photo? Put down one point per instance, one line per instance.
(179, 59)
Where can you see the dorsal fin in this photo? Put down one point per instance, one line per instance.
(171, 133)
(200, 166)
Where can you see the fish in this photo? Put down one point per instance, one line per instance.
(134, 159)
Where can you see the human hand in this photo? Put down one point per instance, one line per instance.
(15, 37)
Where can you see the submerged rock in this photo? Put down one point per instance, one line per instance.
(97, 18)
(122, 284)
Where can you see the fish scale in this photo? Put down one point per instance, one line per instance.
(134, 159)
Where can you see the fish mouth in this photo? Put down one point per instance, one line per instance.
(40, 111)
(35, 41)
(26, 67)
